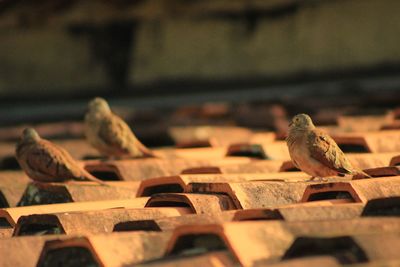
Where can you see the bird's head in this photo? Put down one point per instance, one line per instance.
(301, 122)
(30, 135)
(99, 105)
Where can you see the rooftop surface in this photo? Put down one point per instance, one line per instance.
(223, 191)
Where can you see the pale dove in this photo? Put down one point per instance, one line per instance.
(44, 161)
(315, 152)
(109, 134)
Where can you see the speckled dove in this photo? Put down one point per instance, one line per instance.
(44, 161)
(109, 134)
(315, 152)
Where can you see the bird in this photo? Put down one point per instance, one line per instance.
(110, 134)
(315, 152)
(44, 161)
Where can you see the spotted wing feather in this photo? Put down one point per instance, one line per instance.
(48, 159)
(324, 149)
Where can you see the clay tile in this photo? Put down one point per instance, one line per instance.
(364, 123)
(340, 233)
(326, 261)
(71, 251)
(132, 248)
(87, 250)
(257, 214)
(212, 259)
(247, 242)
(202, 170)
(21, 251)
(5, 232)
(394, 125)
(12, 187)
(322, 211)
(288, 166)
(95, 250)
(107, 171)
(48, 193)
(369, 189)
(373, 142)
(88, 222)
(380, 172)
(379, 247)
(211, 135)
(353, 191)
(181, 183)
(339, 192)
(247, 195)
(360, 161)
(262, 138)
(387, 206)
(257, 166)
(186, 182)
(197, 237)
(368, 160)
(11, 215)
(78, 148)
(395, 161)
(142, 169)
(194, 144)
(276, 150)
(198, 203)
(170, 223)
(203, 153)
(7, 157)
(246, 150)
(344, 248)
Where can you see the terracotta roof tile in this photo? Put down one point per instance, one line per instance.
(198, 203)
(222, 196)
(101, 250)
(252, 242)
(142, 169)
(90, 222)
(11, 215)
(212, 259)
(373, 142)
(12, 187)
(38, 193)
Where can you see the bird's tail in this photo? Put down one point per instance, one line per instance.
(88, 177)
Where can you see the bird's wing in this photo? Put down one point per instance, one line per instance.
(47, 159)
(114, 132)
(324, 149)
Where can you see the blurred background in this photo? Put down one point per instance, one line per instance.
(160, 63)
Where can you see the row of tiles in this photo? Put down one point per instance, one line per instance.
(17, 190)
(249, 243)
(242, 159)
(267, 116)
(377, 196)
(258, 146)
(151, 215)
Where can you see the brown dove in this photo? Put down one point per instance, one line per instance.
(315, 152)
(109, 134)
(44, 161)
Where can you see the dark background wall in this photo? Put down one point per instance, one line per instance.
(85, 48)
